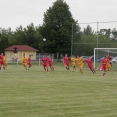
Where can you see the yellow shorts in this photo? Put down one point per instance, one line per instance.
(24, 64)
(73, 64)
(80, 66)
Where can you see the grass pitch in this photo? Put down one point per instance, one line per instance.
(59, 93)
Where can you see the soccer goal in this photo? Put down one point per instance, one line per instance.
(99, 53)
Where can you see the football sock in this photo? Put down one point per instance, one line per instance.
(81, 71)
(47, 69)
(67, 68)
(103, 74)
(4, 68)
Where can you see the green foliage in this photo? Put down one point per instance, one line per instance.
(57, 28)
(87, 30)
(3, 43)
(88, 42)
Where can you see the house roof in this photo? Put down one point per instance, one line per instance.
(21, 48)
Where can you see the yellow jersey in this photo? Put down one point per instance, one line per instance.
(79, 60)
(73, 61)
(24, 60)
(4, 61)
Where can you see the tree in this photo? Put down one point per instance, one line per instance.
(32, 37)
(88, 30)
(3, 43)
(19, 36)
(57, 28)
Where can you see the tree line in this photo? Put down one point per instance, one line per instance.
(59, 28)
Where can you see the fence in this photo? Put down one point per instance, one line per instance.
(93, 35)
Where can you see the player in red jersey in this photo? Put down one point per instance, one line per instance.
(66, 61)
(44, 62)
(104, 62)
(90, 64)
(29, 62)
(1, 61)
(50, 63)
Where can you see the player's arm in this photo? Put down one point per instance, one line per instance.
(63, 60)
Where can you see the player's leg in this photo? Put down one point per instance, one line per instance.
(4, 66)
(104, 68)
(80, 67)
(0, 67)
(44, 66)
(47, 68)
(92, 69)
(68, 67)
(29, 66)
(25, 66)
(75, 67)
(52, 67)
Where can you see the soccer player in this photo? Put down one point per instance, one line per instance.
(50, 63)
(73, 61)
(80, 63)
(24, 61)
(29, 62)
(90, 64)
(109, 58)
(104, 62)
(66, 62)
(1, 61)
(44, 62)
(108, 65)
(4, 62)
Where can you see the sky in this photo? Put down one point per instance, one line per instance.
(14, 13)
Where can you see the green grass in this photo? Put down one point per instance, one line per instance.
(58, 93)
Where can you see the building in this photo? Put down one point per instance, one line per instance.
(16, 52)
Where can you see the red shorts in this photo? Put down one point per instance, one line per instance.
(66, 64)
(104, 67)
(44, 65)
(90, 66)
(1, 62)
(29, 64)
(50, 64)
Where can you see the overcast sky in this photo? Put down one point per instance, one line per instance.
(14, 13)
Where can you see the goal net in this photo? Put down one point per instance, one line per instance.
(99, 53)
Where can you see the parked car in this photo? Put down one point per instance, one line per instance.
(84, 57)
(114, 59)
(98, 60)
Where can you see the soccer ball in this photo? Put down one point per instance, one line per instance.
(44, 39)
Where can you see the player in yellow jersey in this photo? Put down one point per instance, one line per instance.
(108, 65)
(80, 63)
(4, 62)
(24, 61)
(73, 61)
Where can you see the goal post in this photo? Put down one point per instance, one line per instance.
(99, 53)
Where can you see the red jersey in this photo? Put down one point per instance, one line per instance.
(66, 59)
(104, 61)
(89, 61)
(109, 57)
(29, 60)
(1, 59)
(44, 60)
(49, 59)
